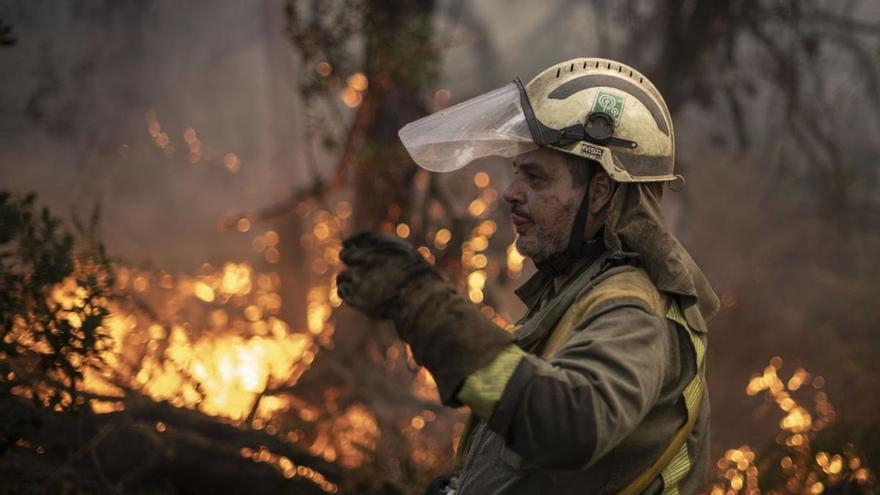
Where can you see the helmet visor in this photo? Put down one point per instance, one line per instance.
(491, 124)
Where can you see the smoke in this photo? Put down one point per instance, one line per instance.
(84, 82)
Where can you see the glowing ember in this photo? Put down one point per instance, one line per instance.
(481, 179)
(442, 238)
(514, 261)
(358, 81)
(287, 468)
(324, 69)
(803, 472)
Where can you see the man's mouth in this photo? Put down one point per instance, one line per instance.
(519, 220)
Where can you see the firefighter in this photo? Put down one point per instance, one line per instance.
(600, 388)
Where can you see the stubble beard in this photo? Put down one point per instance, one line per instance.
(539, 243)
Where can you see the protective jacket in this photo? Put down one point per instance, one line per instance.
(601, 379)
(598, 395)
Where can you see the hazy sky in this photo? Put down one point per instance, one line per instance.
(78, 89)
(84, 84)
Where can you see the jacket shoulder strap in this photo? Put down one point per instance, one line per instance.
(674, 462)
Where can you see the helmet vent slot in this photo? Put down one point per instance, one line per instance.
(571, 69)
(585, 66)
(558, 70)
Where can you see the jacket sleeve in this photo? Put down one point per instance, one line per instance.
(568, 412)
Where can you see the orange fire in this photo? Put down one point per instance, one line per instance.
(214, 341)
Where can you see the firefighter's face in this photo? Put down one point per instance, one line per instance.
(543, 202)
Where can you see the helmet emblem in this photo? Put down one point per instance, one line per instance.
(609, 103)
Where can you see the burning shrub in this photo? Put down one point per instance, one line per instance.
(53, 304)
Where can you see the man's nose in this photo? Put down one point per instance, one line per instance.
(514, 193)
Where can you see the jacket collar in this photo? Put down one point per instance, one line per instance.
(535, 289)
(531, 291)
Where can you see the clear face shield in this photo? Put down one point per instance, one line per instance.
(491, 124)
(498, 123)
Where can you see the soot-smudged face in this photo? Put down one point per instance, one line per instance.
(543, 203)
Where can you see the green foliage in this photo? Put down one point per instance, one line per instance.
(53, 301)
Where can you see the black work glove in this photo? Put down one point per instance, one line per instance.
(387, 278)
(379, 268)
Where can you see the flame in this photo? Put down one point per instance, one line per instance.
(217, 342)
(219, 346)
(222, 370)
(231, 371)
(225, 357)
(224, 361)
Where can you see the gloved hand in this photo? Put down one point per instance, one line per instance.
(387, 278)
(379, 267)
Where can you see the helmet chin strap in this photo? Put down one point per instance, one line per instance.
(560, 262)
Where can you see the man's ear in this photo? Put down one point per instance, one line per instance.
(601, 190)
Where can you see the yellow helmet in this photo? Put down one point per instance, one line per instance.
(605, 111)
